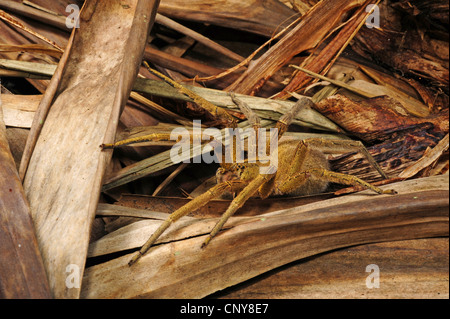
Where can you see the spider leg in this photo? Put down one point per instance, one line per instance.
(300, 178)
(254, 121)
(146, 138)
(344, 146)
(193, 205)
(237, 203)
(200, 101)
(251, 116)
(154, 138)
(286, 120)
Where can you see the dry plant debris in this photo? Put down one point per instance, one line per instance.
(374, 72)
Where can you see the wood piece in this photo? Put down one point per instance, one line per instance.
(413, 106)
(34, 13)
(17, 138)
(376, 43)
(330, 52)
(31, 67)
(410, 269)
(197, 36)
(43, 109)
(253, 247)
(262, 17)
(18, 24)
(338, 83)
(13, 35)
(369, 90)
(401, 150)
(375, 119)
(31, 48)
(116, 210)
(185, 66)
(65, 171)
(19, 110)
(22, 272)
(321, 19)
(428, 159)
(215, 208)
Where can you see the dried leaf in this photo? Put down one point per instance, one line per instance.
(428, 159)
(66, 167)
(22, 271)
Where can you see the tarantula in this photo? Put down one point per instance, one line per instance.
(302, 169)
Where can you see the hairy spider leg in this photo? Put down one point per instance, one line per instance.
(166, 137)
(200, 101)
(296, 181)
(286, 120)
(252, 118)
(344, 146)
(193, 205)
(301, 177)
(146, 138)
(237, 203)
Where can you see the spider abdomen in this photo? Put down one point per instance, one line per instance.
(295, 158)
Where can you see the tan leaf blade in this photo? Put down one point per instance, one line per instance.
(66, 167)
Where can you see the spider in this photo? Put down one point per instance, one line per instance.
(302, 169)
